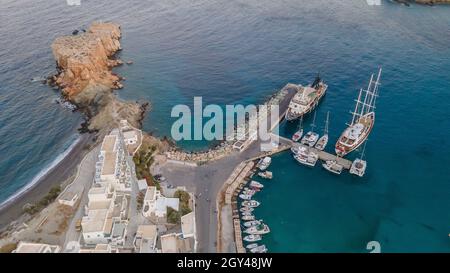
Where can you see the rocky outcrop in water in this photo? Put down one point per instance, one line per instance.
(84, 63)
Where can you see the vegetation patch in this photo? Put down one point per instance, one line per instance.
(45, 201)
(184, 197)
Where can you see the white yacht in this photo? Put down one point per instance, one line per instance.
(259, 249)
(252, 238)
(251, 203)
(255, 184)
(362, 121)
(299, 133)
(311, 137)
(333, 166)
(306, 99)
(323, 141)
(258, 229)
(266, 175)
(308, 159)
(264, 163)
(252, 223)
(359, 165)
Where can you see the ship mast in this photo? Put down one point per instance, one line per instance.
(368, 105)
(355, 112)
(364, 149)
(325, 131)
(314, 121)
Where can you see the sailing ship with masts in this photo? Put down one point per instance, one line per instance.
(306, 99)
(362, 121)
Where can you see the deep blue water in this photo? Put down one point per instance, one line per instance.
(240, 52)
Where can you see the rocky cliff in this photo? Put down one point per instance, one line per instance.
(84, 64)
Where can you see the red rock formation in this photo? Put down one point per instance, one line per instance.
(84, 62)
(85, 59)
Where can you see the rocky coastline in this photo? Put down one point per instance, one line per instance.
(84, 63)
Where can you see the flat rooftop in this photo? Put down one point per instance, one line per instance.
(108, 143)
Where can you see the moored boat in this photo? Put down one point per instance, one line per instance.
(250, 246)
(255, 184)
(307, 159)
(333, 166)
(245, 196)
(259, 249)
(323, 141)
(248, 217)
(359, 165)
(363, 119)
(299, 133)
(252, 238)
(266, 175)
(251, 203)
(258, 229)
(306, 99)
(264, 163)
(252, 223)
(311, 137)
(246, 209)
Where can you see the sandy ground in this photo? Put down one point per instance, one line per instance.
(60, 174)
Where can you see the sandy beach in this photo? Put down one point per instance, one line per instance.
(55, 176)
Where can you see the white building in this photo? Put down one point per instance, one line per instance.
(25, 247)
(145, 240)
(130, 137)
(188, 225)
(174, 243)
(106, 217)
(112, 167)
(156, 204)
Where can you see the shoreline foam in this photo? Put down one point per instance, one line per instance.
(40, 175)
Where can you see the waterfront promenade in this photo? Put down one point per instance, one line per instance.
(207, 180)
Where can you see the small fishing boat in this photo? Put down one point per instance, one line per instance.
(266, 175)
(309, 159)
(245, 196)
(250, 246)
(255, 184)
(249, 192)
(333, 166)
(251, 203)
(246, 213)
(248, 217)
(299, 133)
(253, 189)
(258, 229)
(247, 209)
(252, 238)
(264, 163)
(311, 137)
(252, 223)
(259, 249)
(323, 141)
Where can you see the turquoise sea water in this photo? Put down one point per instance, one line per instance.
(240, 52)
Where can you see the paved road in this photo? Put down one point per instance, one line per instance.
(84, 181)
(207, 180)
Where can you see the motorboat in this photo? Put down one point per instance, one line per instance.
(251, 203)
(252, 238)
